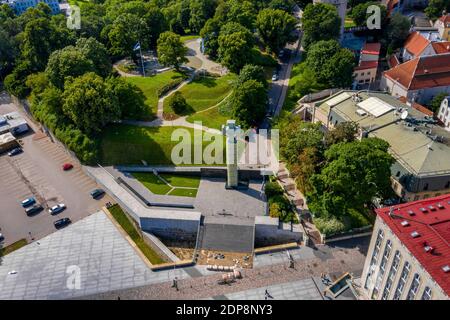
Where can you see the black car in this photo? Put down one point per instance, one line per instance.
(15, 151)
(97, 193)
(61, 223)
(34, 209)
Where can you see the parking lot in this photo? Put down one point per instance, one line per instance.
(38, 172)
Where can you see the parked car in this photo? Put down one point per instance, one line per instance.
(28, 202)
(15, 151)
(57, 209)
(275, 76)
(67, 166)
(97, 193)
(62, 223)
(34, 209)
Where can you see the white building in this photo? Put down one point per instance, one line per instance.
(20, 6)
(444, 113)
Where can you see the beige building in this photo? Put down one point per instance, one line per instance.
(443, 26)
(409, 253)
(420, 146)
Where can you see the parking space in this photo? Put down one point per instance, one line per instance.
(38, 172)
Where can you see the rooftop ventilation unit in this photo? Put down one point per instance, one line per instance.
(428, 249)
(411, 213)
(415, 234)
(423, 210)
(440, 206)
(446, 268)
(405, 223)
(432, 208)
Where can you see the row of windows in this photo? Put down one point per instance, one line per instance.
(405, 273)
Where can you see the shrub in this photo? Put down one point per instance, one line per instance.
(169, 86)
(280, 207)
(273, 189)
(178, 103)
(329, 226)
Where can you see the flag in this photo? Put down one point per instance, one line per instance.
(137, 46)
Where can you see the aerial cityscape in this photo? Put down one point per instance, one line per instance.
(225, 150)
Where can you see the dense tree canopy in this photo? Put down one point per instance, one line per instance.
(200, 12)
(251, 72)
(320, 22)
(435, 8)
(397, 31)
(171, 51)
(248, 103)
(275, 28)
(359, 14)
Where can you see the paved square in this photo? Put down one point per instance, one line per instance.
(106, 261)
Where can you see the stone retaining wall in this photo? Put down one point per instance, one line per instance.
(269, 231)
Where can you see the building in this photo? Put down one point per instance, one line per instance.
(417, 45)
(341, 6)
(420, 147)
(444, 113)
(20, 6)
(13, 123)
(443, 26)
(7, 142)
(419, 79)
(366, 70)
(409, 253)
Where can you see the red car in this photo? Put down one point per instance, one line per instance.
(67, 166)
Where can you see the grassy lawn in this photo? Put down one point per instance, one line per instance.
(189, 37)
(127, 144)
(127, 225)
(211, 118)
(151, 84)
(183, 192)
(158, 186)
(203, 93)
(152, 182)
(182, 180)
(13, 247)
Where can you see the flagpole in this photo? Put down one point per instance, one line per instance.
(142, 61)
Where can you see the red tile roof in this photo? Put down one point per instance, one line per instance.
(371, 48)
(416, 43)
(393, 61)
(445, 19)
(363, 65)
(433, 226)
(441, 47)
(422, 72)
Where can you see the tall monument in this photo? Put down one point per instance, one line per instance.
(231, 130)
(341, 6)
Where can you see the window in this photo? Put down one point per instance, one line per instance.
(402, 281)
(384, 260)
(426, 294)
(414, 287)
(373, 260)
(397, 174)
(391, 276)
(447, 185)
(425, 187)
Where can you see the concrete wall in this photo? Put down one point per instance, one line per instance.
(171, 228)
(268, 232)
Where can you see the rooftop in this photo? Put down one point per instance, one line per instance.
(430, 220)
(11, 120)
(415, 147)
(445, 19)
(416, 43)
(371, 48)
(364, 65)
(441, 47)
(422, 72)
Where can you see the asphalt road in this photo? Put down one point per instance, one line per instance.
(38, 172)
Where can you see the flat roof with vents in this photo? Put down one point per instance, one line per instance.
(375, 106)
(426, 235)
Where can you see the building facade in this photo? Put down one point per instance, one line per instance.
(443, 26)
(409, 253)
(444, 113)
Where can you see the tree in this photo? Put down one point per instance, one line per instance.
(275, 28)
(242, 12)
(397, 31)
(130, 98)
(97, 53)
(297, 135)
(67, 62)
(354, 173)
(307, 164)
(320, 21)
(155, 25)
(331, 64)
(435, 8)
(235, 45)
(343, 132)
(285, 5)
(251, 72)
(200, 12)
(303, 3)
(89, 103)
(359, 13)
(435, 103)
(210, 35)
(171, 50)
(8, 51)
(248, 103)
(15, 82)
(92, 20)
(178, 103)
